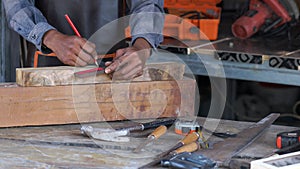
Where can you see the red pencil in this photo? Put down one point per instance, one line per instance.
(72, 25)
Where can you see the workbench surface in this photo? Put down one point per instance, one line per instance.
(65, 147)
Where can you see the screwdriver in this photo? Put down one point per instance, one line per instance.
(77, 33)
(192, 137)
(158, 132)
(191, 147)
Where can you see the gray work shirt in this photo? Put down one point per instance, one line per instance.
(28, 21)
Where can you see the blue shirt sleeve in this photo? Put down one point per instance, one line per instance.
(26, 20)
(147, 20)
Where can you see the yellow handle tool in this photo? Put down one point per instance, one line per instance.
(158, 132)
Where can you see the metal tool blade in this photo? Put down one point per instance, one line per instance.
(106, 134)
(222, 152)
(142, 145)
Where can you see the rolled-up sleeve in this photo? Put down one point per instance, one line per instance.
(147, 20)
(26, 20)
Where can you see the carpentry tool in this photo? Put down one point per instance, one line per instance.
(264, 16)
(185, 126)
(148, 125)
(289, 149)
(218, 134)
(105, 134)
(117, 134)
(188, 160)
(158, 132)
(192, 137)
(285, 139)
(186, 148)
(89, 72)
(78, 34)
(223, 152)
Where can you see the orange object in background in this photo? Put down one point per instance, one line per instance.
(182, 25)
(39, 54)
(206, 24)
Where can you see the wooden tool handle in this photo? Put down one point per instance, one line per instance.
(187, 148)
(190, 138)
(159, 131)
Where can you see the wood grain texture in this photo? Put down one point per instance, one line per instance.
(23, 106)
(64, 75)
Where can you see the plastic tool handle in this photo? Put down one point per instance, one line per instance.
(158, 132)
(187, 148)
(190, 138)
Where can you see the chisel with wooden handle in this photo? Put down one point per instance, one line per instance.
(158, 132)
(192, 137)
(194, 146)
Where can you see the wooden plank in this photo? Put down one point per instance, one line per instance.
(22, 106)
(64, 75)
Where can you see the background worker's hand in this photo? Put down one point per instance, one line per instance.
(129, 62)
(71, 50)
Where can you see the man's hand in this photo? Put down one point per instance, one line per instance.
(129, 62)
(71, 50)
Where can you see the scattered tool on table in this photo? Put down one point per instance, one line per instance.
(185, 126)
(148, 125)
(285, 139)
(192, 137)
(186, 148)
(105, 134)
(202, 140)
(158, 132)
(289, 149)
(117, 134)
(188, 160)
(224, 151)
(218, 134)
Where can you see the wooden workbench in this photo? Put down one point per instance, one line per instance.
(64, 146)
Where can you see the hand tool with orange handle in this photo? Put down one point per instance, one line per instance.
(194, 146)
(192, 137)
(158, 132)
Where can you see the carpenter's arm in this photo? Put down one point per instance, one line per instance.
(146, 23)
(29, 22)
(147, 20)
(26, 20)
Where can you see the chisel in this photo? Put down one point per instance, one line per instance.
(186, 148)
(158, 132)
(192, 137)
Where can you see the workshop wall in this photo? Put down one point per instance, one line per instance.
(9, 50)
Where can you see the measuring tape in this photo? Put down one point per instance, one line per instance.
(186, 126)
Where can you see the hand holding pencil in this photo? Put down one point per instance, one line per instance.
(78, 34)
